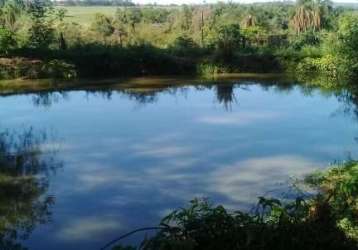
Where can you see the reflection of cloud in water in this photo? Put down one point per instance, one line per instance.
(165, 138)
(149, 178)
(163, 151)
(239, 118)
(88, 228)
(56, 146)
(176, 164)
(101, 178)
(246, 180)
(159, 147)
(184, 178)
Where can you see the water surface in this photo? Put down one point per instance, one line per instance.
(124, 158)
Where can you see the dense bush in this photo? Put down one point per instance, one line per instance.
(32, 69)
(309, 37)
(339, 187)
(185, 46)
(41, 32)
(346, 47)
(7, 41)
(58, 69)
(327, 65)
(99, 60)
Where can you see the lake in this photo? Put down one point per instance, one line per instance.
(110, 160)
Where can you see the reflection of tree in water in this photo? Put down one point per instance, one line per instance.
(225, 95)
(224, 92)
(24, 179)
(150, 94)
(105, 94)
(142, 97)
(47, 99)
(350, 99)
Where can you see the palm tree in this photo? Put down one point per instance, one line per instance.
(308, 15)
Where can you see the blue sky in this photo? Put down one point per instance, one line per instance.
(212, 1)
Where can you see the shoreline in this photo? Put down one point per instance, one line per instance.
(24, 86)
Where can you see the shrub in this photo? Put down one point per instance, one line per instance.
(309, 37)
(184, 46)
(59, 69)
(327, 65)
(295, 225)
(339, 186)
(211, 70)
(344, 46)
(7, 41)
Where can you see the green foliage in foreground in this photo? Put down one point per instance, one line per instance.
(327, 220)
(339, 187)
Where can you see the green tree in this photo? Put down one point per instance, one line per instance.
(60, 15)
(129, 16)
(184, 46)
(102, 25)
(10, 14)
(134, 17)
(186, 18)
(42, 33)
(120, 31)
(155, 15)
(228, 39)
(7, 40)
(345, 48)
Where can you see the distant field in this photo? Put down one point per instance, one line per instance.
(84, 14)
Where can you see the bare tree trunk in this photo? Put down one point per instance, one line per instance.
(120, 40)
(62, 42)
(202, 28)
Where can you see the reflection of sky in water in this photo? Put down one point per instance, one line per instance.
(127, 164)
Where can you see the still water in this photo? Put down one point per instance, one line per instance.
(108, 161)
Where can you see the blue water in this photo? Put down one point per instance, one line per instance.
(129, 157)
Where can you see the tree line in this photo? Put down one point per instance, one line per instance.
(310, 35)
